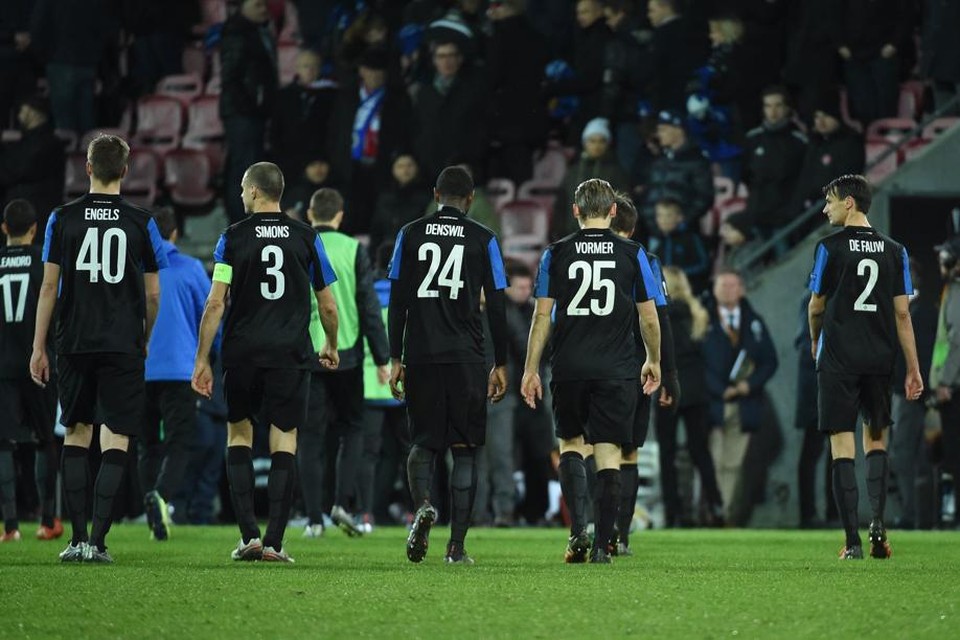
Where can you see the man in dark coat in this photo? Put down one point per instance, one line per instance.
(678, 47)
(450, 114)
(248, 53)
(370, 124)
(516, 58)
(32, 168)
(740, 359)
(15, 67)
(940, 57)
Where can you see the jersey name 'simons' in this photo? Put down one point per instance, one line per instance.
(15, 261)
(451, 230)
(101, 214)
(594, 247)
(273, 232)
(866, 246)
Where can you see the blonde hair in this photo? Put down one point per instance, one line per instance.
(680, 290)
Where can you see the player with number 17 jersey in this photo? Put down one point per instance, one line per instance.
(859, 271)
(103, 245)
(274, 264)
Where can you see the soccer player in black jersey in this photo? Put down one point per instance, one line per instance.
(595, 282)
(441, 264)
(269, 263)
(100, 280)
(858, 311)
(25, 409)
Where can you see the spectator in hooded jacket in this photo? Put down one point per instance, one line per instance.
(404, 201)
(678, 244)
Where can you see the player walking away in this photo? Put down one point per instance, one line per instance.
(25, 409)
(441, 264)
(859, 308)
(171, 402)
(102, 254)
(268, 263)
(624, 224)
(595, 282)
(336, 397)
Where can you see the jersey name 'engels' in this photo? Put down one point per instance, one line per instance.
(451, 230)
(866, 246)
(15, 261)
(101, 214)
(273, 232)
(594, 247)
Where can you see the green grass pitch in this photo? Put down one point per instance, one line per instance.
(680, 584)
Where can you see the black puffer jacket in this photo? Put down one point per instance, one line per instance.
(683, 174)
(33, 168)
(622, 82)
(452, 125)
(249, 70)
(827, 157)
(689, 357)
(771, 165)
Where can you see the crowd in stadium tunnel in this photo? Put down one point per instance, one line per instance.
(721, 119)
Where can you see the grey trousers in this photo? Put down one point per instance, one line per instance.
(496, 464)
(908, 455)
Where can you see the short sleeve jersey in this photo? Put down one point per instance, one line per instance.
(103, 245)
(596, 279)
(273, 264)
(442, 262)
(860, 271)
(21, 273)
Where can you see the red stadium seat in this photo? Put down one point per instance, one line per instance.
(213, 86)
(195, 61)
(10, 135)
(287, 61)
(212, 12)
(69, 139)
(500, 191)
(912, 149)
(525, 223)
(937, 127)
(76, 182)
(723, 189)
(184, 87)
(205, 130)
(143, 171)
(886, 167)
(710, 223)
(159, 123)
(890, 129)
(187, 177)
(542, 191)
(551, 166)
(290, 34)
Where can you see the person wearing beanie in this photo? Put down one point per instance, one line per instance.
(596, 161)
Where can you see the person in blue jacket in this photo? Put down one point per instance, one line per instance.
(170, 419)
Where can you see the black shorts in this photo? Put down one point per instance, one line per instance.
(598, 410)
(641, 420)
(447, 404)
(102, 388)
(844, 395)
(27, 410)
(277, 397)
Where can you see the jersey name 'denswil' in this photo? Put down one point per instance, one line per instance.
(449, 230)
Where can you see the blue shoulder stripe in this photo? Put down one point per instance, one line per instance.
(819, 265)
(541, 289)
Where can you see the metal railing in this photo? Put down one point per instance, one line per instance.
(751, 259)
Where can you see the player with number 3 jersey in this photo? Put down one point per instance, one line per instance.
(859, 310)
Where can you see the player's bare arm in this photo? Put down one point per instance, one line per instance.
(39, 362)
(327, 305)
(650, 332)
(530, 386)
(202, 380)
(497, 320)
(815, 309)
(913, 384)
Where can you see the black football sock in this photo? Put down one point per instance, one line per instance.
(847, 494)
(348, 463)
(240, 476)
(311, 469)
(877, 466)
(420, 466)
(113, 463)
(607, 499)
(629, 482)
(573, 484)
(76, 481)
(463, 491)
(592, 511)
(280, 484)
(46, 477)
(8, 488)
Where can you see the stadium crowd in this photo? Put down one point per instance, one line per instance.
(721, 119)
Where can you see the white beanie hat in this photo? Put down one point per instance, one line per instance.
(597, 126)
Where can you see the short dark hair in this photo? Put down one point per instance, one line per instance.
(670, 202)
(325, 204)
(108, 155)
(517, 269)
(626, 219)
(455, 182)
(727, 271)
(19, 215)
(853, 186)
(267, 177)
(777, 90)
(593, 198)
(166, 221)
